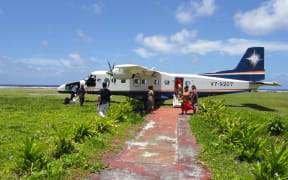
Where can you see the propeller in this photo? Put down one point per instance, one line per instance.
(110, 72)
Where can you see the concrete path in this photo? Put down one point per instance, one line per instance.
(164, 149)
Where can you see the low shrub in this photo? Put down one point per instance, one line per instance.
(104, 124)
(118, 112)
(251, 144)
(30, 158)
(63, 145)
(275, 163)
(83, 130)
(276, 127)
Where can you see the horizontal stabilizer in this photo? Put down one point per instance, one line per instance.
(256, 85)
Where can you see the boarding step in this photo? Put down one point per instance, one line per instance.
(176, 102)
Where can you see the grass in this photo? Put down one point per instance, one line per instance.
(253, 109)
(269, 102)
(32, 113)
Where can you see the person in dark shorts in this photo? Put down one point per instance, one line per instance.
(81, 93)
(104, 100)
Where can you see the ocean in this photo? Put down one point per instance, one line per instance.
(29, 85)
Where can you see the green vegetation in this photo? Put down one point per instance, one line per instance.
(41, 138)
(244, 136)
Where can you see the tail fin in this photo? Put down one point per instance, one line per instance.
(250, 68)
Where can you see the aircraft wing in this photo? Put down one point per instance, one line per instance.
(127, 71)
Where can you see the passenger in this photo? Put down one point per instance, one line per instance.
(104, 100)
(73, 91)
(81, 93)
(178, 88)
(185, 106)
(150, 100)
(194, 99)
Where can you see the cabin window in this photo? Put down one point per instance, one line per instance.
(157, 82)
(123, 81)
(187, 83)
(166, 82)
(106, 80)
(136, 81)
(144, 81)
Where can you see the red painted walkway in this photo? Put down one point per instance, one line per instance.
(164, 149)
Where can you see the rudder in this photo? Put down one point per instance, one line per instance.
(250, 67)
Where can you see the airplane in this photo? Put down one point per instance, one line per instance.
(133, 80)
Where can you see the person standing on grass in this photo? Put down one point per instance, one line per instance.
(73, 91)
(194, 99)
(104, 100)
(150, 99)
(81, 93)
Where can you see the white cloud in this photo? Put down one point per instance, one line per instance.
(188, 12)
(44, 43)
(65, 62)
(143, 53)
(183, 36)
(177, 44)
(270, 16)
(76, 58)
(83, 36)
(159, 43)
(38, 61)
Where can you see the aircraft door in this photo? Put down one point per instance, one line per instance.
(136, 81)
(178, 87)
(91, 81)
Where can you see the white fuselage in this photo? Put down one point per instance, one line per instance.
(163, 84)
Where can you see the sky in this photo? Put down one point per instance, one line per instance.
(52, 42)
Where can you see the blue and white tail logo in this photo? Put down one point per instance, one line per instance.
(250, 67)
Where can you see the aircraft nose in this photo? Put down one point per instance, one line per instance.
(61, 88)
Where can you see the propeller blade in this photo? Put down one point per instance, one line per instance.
(109, 66)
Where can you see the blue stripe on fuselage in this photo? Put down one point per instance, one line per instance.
(245, 77)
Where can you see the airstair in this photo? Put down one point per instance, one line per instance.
(176, 102)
